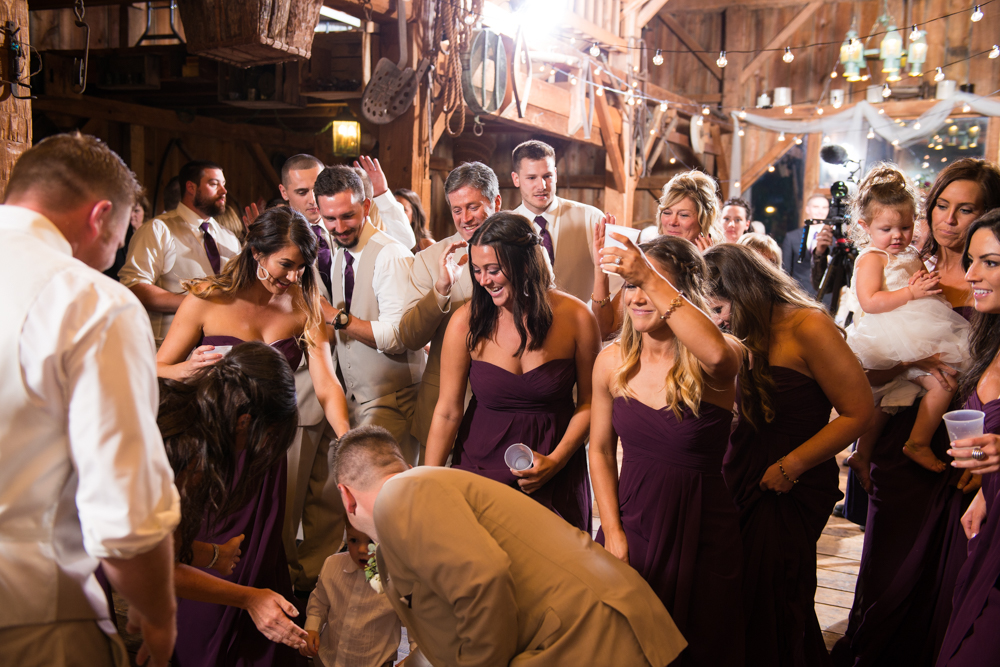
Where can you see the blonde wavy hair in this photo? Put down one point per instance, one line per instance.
(702, 191)
(684, 382)
(884, 186)
(276, 228)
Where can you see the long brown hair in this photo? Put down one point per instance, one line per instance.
(684, 382)
(753, 286)
(519, 252)
(984, 174)
(198, 418)
(984, 338)
(276, 228)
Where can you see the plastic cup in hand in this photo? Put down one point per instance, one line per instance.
(962, 424)
(631, 232)
(222, 349)
(519, 457)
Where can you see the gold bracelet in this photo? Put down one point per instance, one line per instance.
(674, 305)
(603, 302)
(785, 474)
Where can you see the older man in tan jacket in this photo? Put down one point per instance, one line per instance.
(482, 575)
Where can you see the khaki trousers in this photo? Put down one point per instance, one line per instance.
(394, 412)
(61, 644)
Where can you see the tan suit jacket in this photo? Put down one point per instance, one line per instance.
(425, 318)
(483, 575)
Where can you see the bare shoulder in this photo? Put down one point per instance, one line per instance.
(608, 360)
(566, 305)
(873, 257)
(812, 325)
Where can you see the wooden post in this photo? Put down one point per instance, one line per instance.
(810, 183)
(737, 39)
(15, 131)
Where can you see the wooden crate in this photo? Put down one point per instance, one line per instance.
(257, 32)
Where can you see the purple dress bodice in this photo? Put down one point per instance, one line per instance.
(289, 347)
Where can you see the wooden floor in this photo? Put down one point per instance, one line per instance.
(838, 556)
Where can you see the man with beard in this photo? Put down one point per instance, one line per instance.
(182, 244)
(440, 282)
(368, 279)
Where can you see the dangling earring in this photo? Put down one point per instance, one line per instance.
(266, 276)
(526, 291)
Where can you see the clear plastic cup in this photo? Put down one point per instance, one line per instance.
(631, 232)
(519, 457)
(962, 424)
(222, 349)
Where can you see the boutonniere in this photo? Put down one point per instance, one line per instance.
(371, 571)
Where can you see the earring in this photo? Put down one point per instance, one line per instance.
(526, 291)
(266, 276)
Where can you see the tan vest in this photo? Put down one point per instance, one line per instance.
(368, 373)
(574, 266)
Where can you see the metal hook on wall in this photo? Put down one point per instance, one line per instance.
(478, 127)
(80, 66)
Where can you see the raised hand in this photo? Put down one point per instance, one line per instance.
(250, 213)
(449, 268)
(630, 263)
(375, 174)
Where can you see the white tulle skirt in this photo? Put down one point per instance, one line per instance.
(914, 331)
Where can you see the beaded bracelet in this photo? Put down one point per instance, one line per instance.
(603, 302)
(783, 473)
(674, 305)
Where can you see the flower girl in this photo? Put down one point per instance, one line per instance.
(903, 319)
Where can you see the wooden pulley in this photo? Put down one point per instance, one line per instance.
(484, 72)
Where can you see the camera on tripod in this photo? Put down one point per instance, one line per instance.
(841, 255)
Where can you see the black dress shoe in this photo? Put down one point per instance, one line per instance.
(838, 510)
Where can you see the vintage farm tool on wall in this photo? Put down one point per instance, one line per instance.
(391, 90)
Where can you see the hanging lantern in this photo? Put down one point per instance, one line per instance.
(852, 56)
(346, 135)
(891, 51)
(916, 53)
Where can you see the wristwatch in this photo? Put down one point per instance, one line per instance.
(341, 320)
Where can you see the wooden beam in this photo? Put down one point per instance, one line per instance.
(901, 109)
(810, 183)
(992, 147)
(721, 161)
(649, 12)
(757, 169)
(706, 6)
(602, 35)
(780, 40)
(737, 39)
(382, 9)
(123, 112)
(137, 152)
(263, 163)
(610, 142)
(691, 43)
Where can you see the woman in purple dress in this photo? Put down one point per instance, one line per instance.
(780, 462)
(973, 634)
(523, 346)
(914, 544)
(266, 294)
(666, 387)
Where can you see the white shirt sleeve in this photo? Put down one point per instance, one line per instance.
(150, 255)
(394, 216)
(392, 275)
(95, 352)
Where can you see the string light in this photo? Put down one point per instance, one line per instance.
(881, 112)
(789, 110)
(977, 14)
(789, 56)
(886, 91)
(798, 141)
(599, 92)
(663, 106)
(652, 132)
(597, 72)
(939, 74)
(722, 61)
(736, 185)
(895, 142)
(572, 81)
(833, 74)
(700, 121)
(658, 58)
(781, 137)
(705, 110)
(966, 108)
(595, 50)
(469, 19)
(743, 113)
(914, 33)
(866, 77)
(741, 132)
(819, 111)
(871, 133)
(673, 160)
(995, 52)
(770, 168)
(916, 125)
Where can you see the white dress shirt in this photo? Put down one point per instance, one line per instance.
(84, 474)
(392, 275)
(170, 249)
(397, 225)
(362, 629)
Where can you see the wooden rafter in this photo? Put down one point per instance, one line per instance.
(691, 43)
(610, 142)
(649, 12)
(780, 40)
(757, 169)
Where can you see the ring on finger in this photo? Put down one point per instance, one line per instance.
(618, 261)
(978, 454)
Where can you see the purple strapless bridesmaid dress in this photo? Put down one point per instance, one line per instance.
(210, 635)
(681, 524)
(973, 635)
(533, 408)
(780, 531)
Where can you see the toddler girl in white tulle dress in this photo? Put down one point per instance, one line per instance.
(903, 319)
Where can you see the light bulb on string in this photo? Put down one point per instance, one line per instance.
(595, 50)
(895, 142)
(552, 72)
(663, 106)
(653, 132)
(673, 160)
(770, 168)
(469, 19)
(743, 113)
(833, 74)
(995, 52)
(705, 110)
(599, 91)
(939, 74)
(916, 125)
(819, 111)
(635, 68)
(789, 56)
(722, 60)
(700, 121)
(881, 112)
(966, 108)
(781, 137)
(886, 91)
(635, 84)
(977, 14)
(871, 133)
(914, 33)
(866, 77)
(658, 58)
(741, 132)
(798, 141)
(597, 72)
(789, 110)
(736, 185)
(572, 81)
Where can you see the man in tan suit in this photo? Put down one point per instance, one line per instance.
(440, 282)
(566, 226)
(482, 575)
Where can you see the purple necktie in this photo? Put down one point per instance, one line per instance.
(211, 249)
(546, 237)
(348, 280)
(325, 259)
